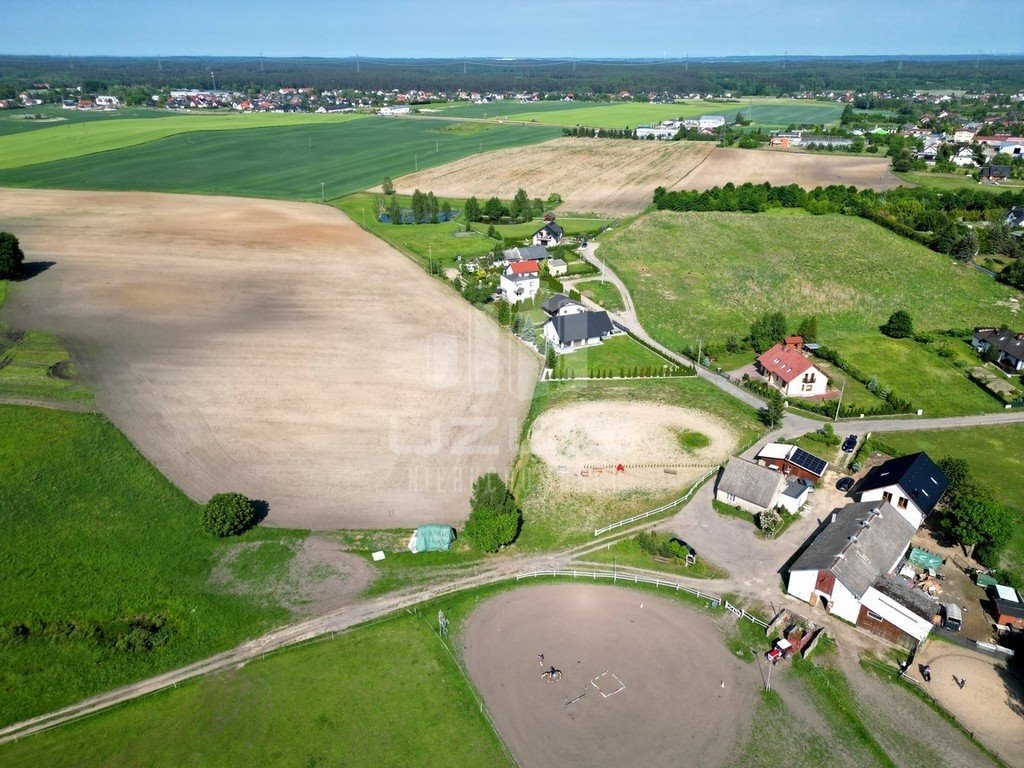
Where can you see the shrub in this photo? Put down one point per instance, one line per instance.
(899, 325)
(494, 520)
(769, 521)
(11, 256)
(228, 514)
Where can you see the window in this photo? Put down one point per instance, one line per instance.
(807, 387)
(903, 502)
(886, 496)
(874, 616)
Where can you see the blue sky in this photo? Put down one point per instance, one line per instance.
(454, 28)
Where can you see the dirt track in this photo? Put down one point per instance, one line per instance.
(778, 167)
(672, 711)
(605, 176)
(273, 348)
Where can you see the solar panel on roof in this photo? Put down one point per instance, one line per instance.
(808, 461)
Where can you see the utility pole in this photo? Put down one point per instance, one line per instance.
(321, 191)
(842, 391)
(700, 347)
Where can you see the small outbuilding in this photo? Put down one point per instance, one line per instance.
(432, 538)
(749, 486)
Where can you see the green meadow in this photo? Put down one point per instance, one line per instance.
(106, 571)
(289, 161)
(708, 275)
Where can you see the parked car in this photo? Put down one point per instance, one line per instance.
(849, 444)
(845, 484)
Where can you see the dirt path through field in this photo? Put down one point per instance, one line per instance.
(661, 689)
(273, 348)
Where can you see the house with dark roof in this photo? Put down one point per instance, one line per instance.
(995, 173)
(786, 368)
(749, 486)
(850, 570)
(1015, 217)
(560, 304)
(574, 330)
(912, 484)
(536, 253)
(1009, 344)
(548, 235)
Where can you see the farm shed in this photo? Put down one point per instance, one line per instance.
(791, 460)
(749, 486)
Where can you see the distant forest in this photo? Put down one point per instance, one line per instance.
(767, 77)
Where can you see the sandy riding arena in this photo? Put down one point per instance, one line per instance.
(583, 444)
(604, 176)
(275, 349)
(780, 167)
(641, 684)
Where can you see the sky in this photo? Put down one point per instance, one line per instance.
(521, 28)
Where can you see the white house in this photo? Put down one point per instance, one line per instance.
(560, 304)
(557, 267)
(549, 235)
(108, 101)
(786, 368)
(749, 486)
(963, 137)
(964, 158)
(912, 484)
(1009, 344)
(710, 122)
(570, 329)
(394, 111)
(520, 281)
(849, 570)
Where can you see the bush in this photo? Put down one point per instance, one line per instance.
(228, 514)
(494, 520)
(899, 326)
(11, 256)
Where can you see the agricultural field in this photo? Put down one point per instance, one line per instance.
(707, 275)
(106, 567)
(603, 176)
(290, 161)
(996, 459)
(65, 140)
(258, 346)
(809, 170)
(52, 115)
(579, 423)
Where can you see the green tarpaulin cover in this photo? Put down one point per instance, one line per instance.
(434, 538)
(987, 580)
(925, 559)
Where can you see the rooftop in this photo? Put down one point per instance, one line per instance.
(751, 482)
(785, 362)
(916, 474)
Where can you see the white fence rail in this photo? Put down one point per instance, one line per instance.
(659, 510)
(635, 578)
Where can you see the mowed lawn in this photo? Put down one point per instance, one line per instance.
(97, 547)
(385, 695)
(996, 457)
(617, 356)
(60, 141)
(289, 161)
(708, 275)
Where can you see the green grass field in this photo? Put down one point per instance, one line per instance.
(289, 161)
(61, 141)
(618, 355)
(604, 293)
(97, 543)
(18, 121)
(996, 458)
(626, 553)
(707, 275)
(553, 518)
(955, 181)
(385, 695)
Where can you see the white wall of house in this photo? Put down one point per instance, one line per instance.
(896, 614)
(571, 309)
(842, 603)
(736, 501)
(810, 383)
(557, 270)
(903, 503)
(801, 584)
(518, 291)
(562, 349)
(545, 239)
(792, 504)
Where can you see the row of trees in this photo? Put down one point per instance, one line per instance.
(426, 208)
(771, 328)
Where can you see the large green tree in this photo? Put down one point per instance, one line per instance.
(493, 210)
(767, 330)
(899, 325)
(472, 210)
(980, 522)
(11, 256)
(494, 519)
(227, 514)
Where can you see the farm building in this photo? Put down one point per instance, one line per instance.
(791, 460)
(394, 111)
(1009, 344)
(1006, 606)
(571, 330)
(548, 235)
(849, 569)
(710, 122)
(912, 484)
(520, 282)
(749, 486)
(786, 368)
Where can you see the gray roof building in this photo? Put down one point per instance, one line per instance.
(916, 474)
(527, 253)
(861, 543)
(751, 482)
(581, 326)
(553, 304)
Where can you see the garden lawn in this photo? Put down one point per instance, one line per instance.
(96, 540)
(996, 457)
(553, 519)
(708, 275)
(605, 294)
(617, 356)
(289, 161)
(955, 181)
(388, 694)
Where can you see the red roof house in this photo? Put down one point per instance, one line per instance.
(524, 267)
(786, 368)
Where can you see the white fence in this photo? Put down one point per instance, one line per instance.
(659, 510)
(635, 578)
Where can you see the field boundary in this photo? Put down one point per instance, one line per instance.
(663, 508)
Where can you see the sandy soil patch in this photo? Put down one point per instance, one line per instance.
(605, 176)
(275, 349)
(582, 444)
(667, 663)
(991, 703)
(808, 170)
